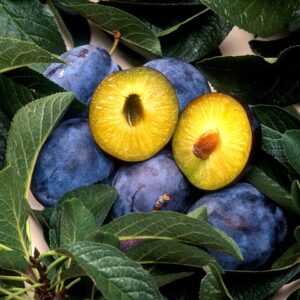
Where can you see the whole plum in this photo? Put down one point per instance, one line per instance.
(154, 184)
(69, 159)
(187, 81)
(86, 66)
(256, 224)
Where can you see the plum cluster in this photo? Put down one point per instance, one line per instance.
(71, 158)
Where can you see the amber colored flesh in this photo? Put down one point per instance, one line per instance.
(222, 128)
(133, 113)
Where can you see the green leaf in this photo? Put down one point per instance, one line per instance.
(294, 23)
(29, 20)
(212, 285)
(291, 142)
(164, 279)
(31, 127)
(4, 127)
(171, 226)
(97, 198)
(275, 117)
(170, 252)
(288, 258)
(106, 238)
(203, 34)
(272, 143)
(273, 48)
(274, 16)
(258, 285)
(115, 275)
(76, 224)
(253, 80)
(14, 212)
(272, 189)
(297, 234)
(134, 33)
(21, 86)
(295, 192)
(17, 53)
(199, 213)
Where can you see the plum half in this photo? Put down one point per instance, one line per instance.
(133, 113)
(214, 139)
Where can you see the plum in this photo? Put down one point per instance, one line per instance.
(86, 67)
(69, 159)
(255, 222)
(154, 184)
(187, 81)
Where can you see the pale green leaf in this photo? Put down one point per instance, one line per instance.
(30, 128)
(29, 20)
(17, 53)
(167, 225)
(114, 274)
(14, 212)
(199, 213)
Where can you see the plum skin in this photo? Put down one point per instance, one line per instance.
(86, 67)
(69, 159)
(139, 186)
(187, 80)
(255, 222)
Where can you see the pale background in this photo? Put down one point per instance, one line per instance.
(236, 43)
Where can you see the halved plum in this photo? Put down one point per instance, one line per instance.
(214, 139)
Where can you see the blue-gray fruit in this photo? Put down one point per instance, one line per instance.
(187, 81)
(255, 222)
(69, 159)
(86, 67)
(154, 184)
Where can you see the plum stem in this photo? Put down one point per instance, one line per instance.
(117, 36)
(161, 201)
(206, 144)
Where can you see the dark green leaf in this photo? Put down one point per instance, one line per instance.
(31, 127)
(73, 272)
(106, 238)
(297, 234)
(29, 20)
(273, 48)
(115, 275)
(272, 189)
(77, 222)
(4, 127)
(295, 192)
(294, 23)
(258, 285)
(98, 199)
(199, 213)
(164, 279)
(263, 18)
(275, 117)
(289, 257)
(212, 285)
(171, 226)
(272, 143)
(170, 252)
(134, 33)
(253, 80)
(21, 86)
(291, 142)
(197, 38)
(14, 212)
(17, 53)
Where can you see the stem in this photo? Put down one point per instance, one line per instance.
(56, 262)
(6, 292)
(72, 283)
(117, 36)
(93, 292)
(13, 278)
(48, 253)
(23, 291)
(5, 248)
